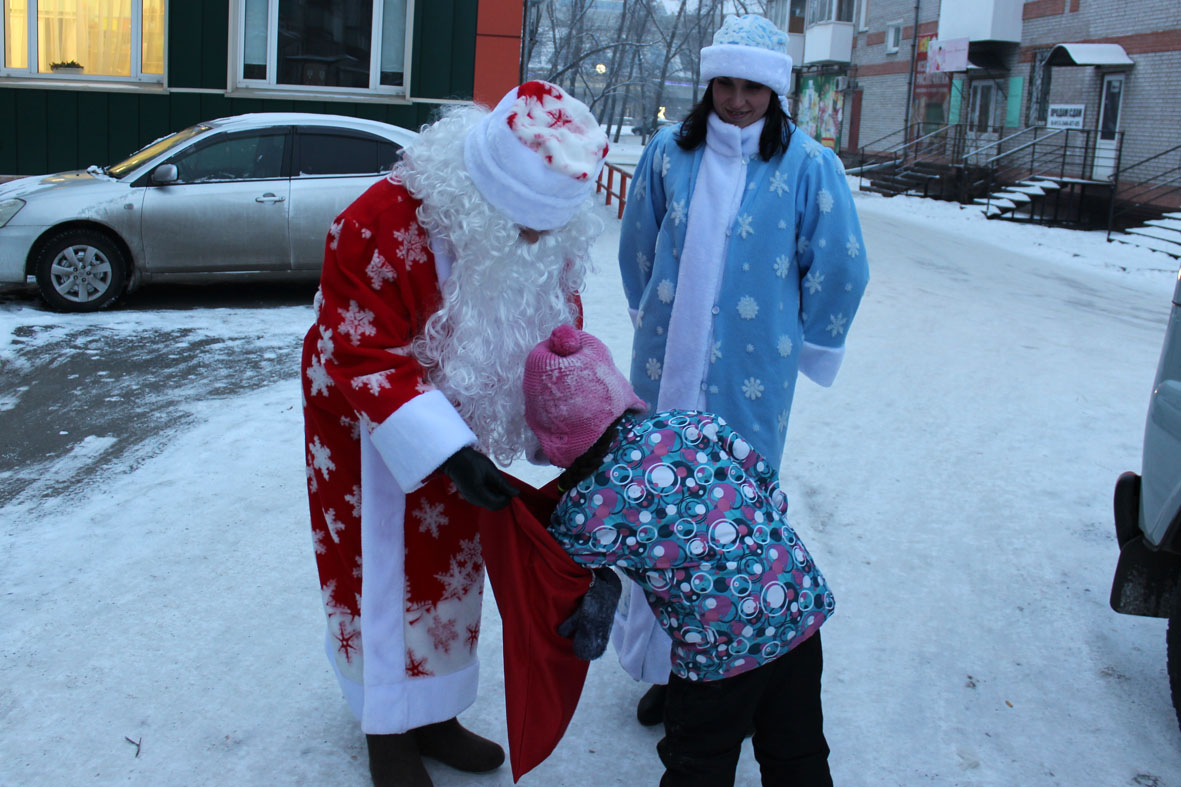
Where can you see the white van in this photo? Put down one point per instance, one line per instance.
(1148, 510)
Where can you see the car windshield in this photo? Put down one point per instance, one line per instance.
(156, 148)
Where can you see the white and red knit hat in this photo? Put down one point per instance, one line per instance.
(537, 155)
(573, 392)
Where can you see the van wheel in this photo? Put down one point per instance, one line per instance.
(81, 271)
(1173, 652)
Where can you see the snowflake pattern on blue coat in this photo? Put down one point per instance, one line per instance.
(793, 275)
(690, 511)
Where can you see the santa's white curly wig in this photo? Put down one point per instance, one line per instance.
(503, 294)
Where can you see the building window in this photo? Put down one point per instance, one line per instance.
(1039, 89)
(104, 39)
(821, 11)
(893, 37)
(863, 16)
(348, 44)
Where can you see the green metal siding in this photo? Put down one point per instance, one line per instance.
(49, 130)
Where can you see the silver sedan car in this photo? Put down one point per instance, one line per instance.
(250, 193)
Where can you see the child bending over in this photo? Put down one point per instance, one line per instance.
(687, 509)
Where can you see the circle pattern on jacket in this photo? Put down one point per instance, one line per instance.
(695, 515)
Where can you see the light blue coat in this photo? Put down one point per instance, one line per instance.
(795, 270)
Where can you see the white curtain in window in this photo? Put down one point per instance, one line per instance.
(393, 36)
(256, 32)
(93, 33)
(16, 34)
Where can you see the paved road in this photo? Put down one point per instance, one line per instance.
(78, 399)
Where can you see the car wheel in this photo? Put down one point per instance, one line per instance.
(81, 271)
(1173, 652)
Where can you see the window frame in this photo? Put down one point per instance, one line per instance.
(271, 86)
(893, 48)
(136, 63)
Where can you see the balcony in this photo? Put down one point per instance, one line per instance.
(980, 20)
(795, 47)
(828, 42)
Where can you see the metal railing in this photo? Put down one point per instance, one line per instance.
(1153, 186)
(611, 170)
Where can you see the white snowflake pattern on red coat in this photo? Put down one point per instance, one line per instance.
(334, 525)
(353, 424)
(374, 382)
(334, 233)
(464, 571)
(414, 243)
(313, 485)
(318, 541)
(379, 270)
(443, 633)
(356, 322)
(318, 377)
(354, 500)
(321, 457)
(430, 517)
(324, 344)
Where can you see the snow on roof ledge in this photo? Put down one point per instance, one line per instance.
(1089, 55)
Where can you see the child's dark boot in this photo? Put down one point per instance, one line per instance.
(394, 761)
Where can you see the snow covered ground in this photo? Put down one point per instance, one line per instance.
(954, 486)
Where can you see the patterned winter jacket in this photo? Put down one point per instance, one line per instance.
(794, 272)
(693, 514)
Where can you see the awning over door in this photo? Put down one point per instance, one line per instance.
(1089, 55)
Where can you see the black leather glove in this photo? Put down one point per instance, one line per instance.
(590, 625)
(478, 480)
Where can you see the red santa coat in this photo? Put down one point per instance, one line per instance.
(404, 651)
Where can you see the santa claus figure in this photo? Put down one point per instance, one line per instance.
(437, 282)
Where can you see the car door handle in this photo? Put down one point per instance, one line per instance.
(269, 197)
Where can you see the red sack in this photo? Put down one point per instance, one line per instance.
(537, 586)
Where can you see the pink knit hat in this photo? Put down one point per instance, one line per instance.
(573, 392)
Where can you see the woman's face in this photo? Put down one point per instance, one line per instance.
(740, 102)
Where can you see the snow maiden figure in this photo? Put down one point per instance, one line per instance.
(693, 514)
(743, 264)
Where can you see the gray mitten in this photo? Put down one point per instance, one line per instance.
(590, 625)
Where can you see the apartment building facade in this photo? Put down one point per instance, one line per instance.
(870, 68)
(89, 81)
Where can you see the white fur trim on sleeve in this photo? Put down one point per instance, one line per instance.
(820, 363)
(419, 437)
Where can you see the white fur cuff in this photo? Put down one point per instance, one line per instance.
(420, 436)
(821, 364)
(751, 63)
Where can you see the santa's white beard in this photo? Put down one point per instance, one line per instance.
(503, 295)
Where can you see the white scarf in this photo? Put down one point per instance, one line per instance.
(717, 195)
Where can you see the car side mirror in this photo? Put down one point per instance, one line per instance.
(164, 175)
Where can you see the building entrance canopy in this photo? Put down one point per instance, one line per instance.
(1089, 55)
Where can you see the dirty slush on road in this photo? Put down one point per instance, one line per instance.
(86, 396)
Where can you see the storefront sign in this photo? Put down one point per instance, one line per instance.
(1065, 116)
(948, 55)
(820, 109)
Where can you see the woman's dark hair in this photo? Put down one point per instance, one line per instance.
(772, 142)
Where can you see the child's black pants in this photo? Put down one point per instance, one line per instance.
(705, 723)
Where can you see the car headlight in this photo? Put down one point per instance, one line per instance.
(9, 208)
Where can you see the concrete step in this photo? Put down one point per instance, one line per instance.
(1168, 224)
(992, 211)
(1144, 242)
(1172, 236)
(1033, 191)
(1018, 197)
(1043, 184)
(1176, 215)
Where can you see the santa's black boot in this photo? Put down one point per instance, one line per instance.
(394, 761)
(451, 744)
(650, 710)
